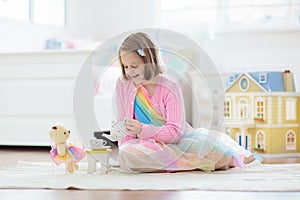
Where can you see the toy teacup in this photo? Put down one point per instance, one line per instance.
(117, 131)
(98, 143)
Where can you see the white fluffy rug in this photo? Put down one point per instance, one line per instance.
(255, 177)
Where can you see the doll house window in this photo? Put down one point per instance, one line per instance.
(260, 140)
(262, 78)
(243, 108)
(244, 84)
(290, 140)
(231, 79)
(227, 108)
(290, 109)
(260, 108)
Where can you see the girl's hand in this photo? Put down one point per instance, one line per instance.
(133, 126)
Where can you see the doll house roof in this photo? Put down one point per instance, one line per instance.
(273, 81)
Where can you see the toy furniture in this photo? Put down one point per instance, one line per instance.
(99, 155)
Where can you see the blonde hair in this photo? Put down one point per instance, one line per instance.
(144, 47)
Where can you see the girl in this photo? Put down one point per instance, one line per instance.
(158, 137)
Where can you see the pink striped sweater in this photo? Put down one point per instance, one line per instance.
(167, 100)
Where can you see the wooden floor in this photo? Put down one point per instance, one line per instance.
(11, 155)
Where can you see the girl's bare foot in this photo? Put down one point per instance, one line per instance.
(249, 159)
(224, 168)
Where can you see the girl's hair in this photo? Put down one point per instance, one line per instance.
(144, 47)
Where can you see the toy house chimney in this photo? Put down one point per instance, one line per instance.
(288, 80)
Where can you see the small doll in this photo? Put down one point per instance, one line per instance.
(63, 152)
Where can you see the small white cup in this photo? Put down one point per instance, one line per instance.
(97, 143)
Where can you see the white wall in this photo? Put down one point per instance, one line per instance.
(256, 49)
(22, 36)
(85, 20)
(101, 19)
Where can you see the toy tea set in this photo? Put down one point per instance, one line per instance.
(64, 152)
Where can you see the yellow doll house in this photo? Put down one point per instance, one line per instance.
(262, 112)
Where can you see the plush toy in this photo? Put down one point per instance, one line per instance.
(63, 152)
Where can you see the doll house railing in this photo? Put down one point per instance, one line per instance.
(238, 121)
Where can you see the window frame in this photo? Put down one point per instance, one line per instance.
(263, 76)
(231, 79)
(222, 25)
(16, 17)
(227, 108)
(257, 107)
(290, 109)
(290, 145)
(30, 15)
(257, 141)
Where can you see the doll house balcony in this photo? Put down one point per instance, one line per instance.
(237, 122)
(243, 118)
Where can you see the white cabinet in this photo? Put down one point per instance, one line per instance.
(36, 92)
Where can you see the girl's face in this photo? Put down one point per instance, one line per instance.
(134, 67)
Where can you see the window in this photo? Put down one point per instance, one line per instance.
(178, 11)
(290, 140)
(192, 17)
(50, 12)
(231, 79)
(229, 14)
(261, 12)
(227, 108)
(15, 9)
(260, 140)
(290, 109)
(262, 78)
(244, 84)
(260, 108)
(243, 109)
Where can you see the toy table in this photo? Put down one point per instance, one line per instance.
(99, 155)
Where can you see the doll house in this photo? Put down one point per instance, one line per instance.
(262, 111)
